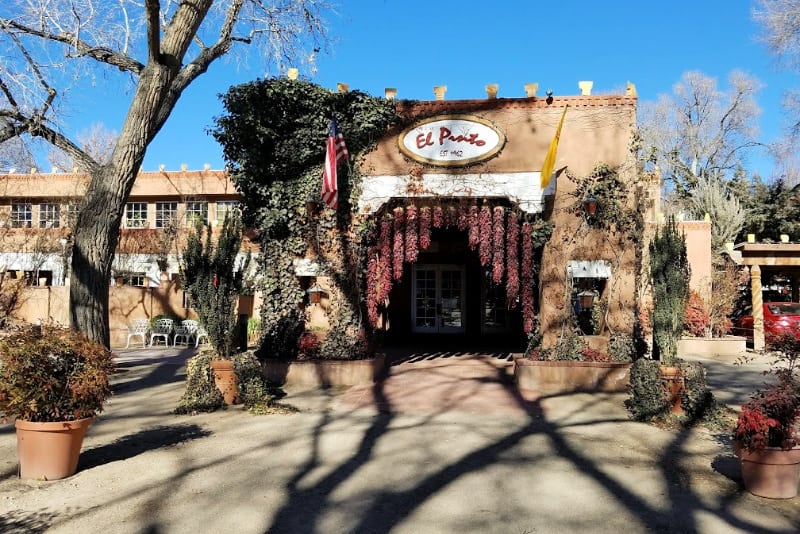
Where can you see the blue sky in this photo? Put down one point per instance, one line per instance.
(413, 45)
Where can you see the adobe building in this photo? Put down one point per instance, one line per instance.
(463, 163)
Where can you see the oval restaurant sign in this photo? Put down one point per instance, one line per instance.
(451, 140)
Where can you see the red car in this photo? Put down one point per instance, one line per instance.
(780, 318)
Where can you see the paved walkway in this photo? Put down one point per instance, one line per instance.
(451, 455)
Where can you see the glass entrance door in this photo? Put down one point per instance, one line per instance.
(438, 303)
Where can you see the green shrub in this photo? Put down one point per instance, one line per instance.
(52, 373)
(622, 348)
(201, 395)
(647, 400)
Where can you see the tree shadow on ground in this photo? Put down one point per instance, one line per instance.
(138, 443)
(679, 510)
(19, 522)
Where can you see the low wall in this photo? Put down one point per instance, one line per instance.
(319, 373)
(721, 346)
(554, 377)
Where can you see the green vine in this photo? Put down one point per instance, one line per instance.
(273, 136)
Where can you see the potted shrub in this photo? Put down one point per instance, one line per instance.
(213, 278)
(766, 435)
(669, 275)
(53, 382)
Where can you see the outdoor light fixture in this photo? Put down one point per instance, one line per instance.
(586, 299)
(590, 205)
(312, 208)
(315, 294)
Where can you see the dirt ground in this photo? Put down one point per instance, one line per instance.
(449, 446)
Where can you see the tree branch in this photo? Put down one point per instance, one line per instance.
(99, 53)
(152, 10)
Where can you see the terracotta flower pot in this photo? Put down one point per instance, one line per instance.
(773, 472)
(50, 451)
(674, 387)
(226, 381)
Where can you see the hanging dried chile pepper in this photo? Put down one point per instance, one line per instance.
(424, 228)
(451, 217)
(372, 289)
(412, 237)
(526, 269)
(472, 225)
(397, 246)
(512, 260)
(498, 244)
(385, 259)
(438, 217)
(485, 235)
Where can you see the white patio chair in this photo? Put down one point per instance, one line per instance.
(161, 329)
(201, 334)
(138, 327)
(187, 331)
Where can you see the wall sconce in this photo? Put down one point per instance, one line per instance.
(315, 294)
(590, 205)
(312, 208)
(586, 299)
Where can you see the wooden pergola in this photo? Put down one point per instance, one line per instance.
(763, 261)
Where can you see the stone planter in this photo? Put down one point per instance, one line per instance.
(720, 346)
(555, 377)
(319, 373)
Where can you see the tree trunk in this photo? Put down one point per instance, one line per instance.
(97, 232)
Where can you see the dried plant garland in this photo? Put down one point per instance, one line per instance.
(424, 228)
(512, 259)
(438, 216)
(412, 236)
(485, 235)
(385, 260)
(397, 245)
(372, 286)
(498, 244)
(526, 275)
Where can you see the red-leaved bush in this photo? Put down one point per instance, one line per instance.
(697, 319)
(308, 346)
(771, 418)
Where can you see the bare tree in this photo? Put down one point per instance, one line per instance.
(712, 196)
(15, 154)
(162, 46)
(97, 141)
(700, 130)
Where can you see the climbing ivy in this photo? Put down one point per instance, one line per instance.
(273, 134)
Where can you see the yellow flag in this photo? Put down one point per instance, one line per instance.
(550, 158)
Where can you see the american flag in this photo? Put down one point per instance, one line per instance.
(335, 152)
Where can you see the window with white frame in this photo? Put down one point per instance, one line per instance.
(72, 214)
(196, 211)
(225, 207)
(49, 215)
(21, 215)
(136, 215)
(166, 214)
(132, 279)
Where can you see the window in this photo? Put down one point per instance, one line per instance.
(166, 212)
(196, 211)
(224, 207)
(136, 215)
(72, 214)
(21, 215)
(131, 279)
(49, 215)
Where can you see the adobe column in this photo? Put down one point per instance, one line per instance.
(758, 308)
